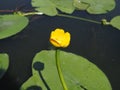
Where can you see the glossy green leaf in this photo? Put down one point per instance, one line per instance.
(115, 22)
(78, 72)
(49, 7)
(95, 6)
(4, 63)
(11, 24)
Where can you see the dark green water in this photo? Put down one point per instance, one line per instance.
(100, 44)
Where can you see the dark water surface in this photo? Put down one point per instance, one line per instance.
(100, 44)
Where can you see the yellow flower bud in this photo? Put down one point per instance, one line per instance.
(59, 38)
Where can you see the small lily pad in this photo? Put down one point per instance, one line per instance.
(11, 25)
(95, 6)
(115, 22)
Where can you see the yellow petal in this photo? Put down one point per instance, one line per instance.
(59, 38)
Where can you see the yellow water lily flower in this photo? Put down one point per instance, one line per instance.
(60, 38)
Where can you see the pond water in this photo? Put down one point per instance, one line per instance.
(100, 44)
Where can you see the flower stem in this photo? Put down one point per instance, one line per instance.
(79, 18)
(59, 70)
(61, 15)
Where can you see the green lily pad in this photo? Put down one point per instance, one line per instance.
(78, 72)
(80, 5)
(4, 63)
(115, 22)
(64, 5)
(11, 24)
(95, 6)
(49, 7)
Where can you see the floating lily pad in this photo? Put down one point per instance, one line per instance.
(4, 63)
(11, 24)
(79, 73)
(115, 22)
(49, 7)
(95, 6)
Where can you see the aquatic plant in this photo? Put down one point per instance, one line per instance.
(57, 69)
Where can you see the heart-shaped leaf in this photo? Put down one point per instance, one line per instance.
(4, 63)
(11, 24)
(78, 72)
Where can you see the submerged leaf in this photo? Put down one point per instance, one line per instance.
(78, 72)
(115, 22)
(11, 24)
(49, 7)
(95, 6)
(4, 63)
